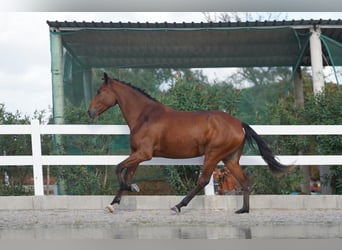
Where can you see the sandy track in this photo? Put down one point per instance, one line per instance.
(28, 218)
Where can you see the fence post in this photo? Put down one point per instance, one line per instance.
(210, 189)
(37, 158)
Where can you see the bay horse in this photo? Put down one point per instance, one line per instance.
(157, 130)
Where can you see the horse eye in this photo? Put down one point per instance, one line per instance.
(98, 92)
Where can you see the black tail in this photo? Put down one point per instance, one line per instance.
(266, 153)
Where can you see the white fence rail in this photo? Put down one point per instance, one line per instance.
(37, 160)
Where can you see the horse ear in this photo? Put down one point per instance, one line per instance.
(105, 77)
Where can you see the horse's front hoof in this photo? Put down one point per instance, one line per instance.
(176, 209)
(135, 188)
(109, 209)
(242, 211)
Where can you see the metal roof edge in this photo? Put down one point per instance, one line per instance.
(294, 24)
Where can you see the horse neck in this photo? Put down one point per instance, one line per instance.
(132, 103)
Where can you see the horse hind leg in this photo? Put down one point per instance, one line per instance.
(232, 164)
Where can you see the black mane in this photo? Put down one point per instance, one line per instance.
(141, 91)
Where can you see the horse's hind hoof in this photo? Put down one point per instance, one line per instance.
(242, 211)
(176, 209)
(135, 188)
(109, 209)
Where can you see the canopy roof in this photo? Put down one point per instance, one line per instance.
(192, 45)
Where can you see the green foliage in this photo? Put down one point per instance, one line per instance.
(325, 108)
(258, 76)
(263, 182)
(267, 104)
(201, 96)
(79, 180)
(17, 189)
(336, 172)
(181, 178)
(17, 145)
(14, 144)
(255, 103)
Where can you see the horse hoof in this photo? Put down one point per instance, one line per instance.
(242, 211)
(109, 209)
(135, 188)
(176, 209)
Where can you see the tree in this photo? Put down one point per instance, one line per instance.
(243, 16)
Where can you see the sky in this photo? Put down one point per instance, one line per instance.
(25, 75)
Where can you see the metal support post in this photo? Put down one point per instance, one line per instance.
(87, 75)
(56, 49)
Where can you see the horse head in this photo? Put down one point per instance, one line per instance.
(104, 99)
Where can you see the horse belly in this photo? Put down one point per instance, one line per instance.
(181, 145)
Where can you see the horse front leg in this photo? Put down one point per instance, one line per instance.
(131, 165)
(203, 180)
(123, 182)
(200, 185)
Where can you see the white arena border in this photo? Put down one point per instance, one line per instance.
(165, 202)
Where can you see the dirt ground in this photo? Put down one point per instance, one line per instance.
(27, 218)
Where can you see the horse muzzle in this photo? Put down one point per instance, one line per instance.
(92, 113)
